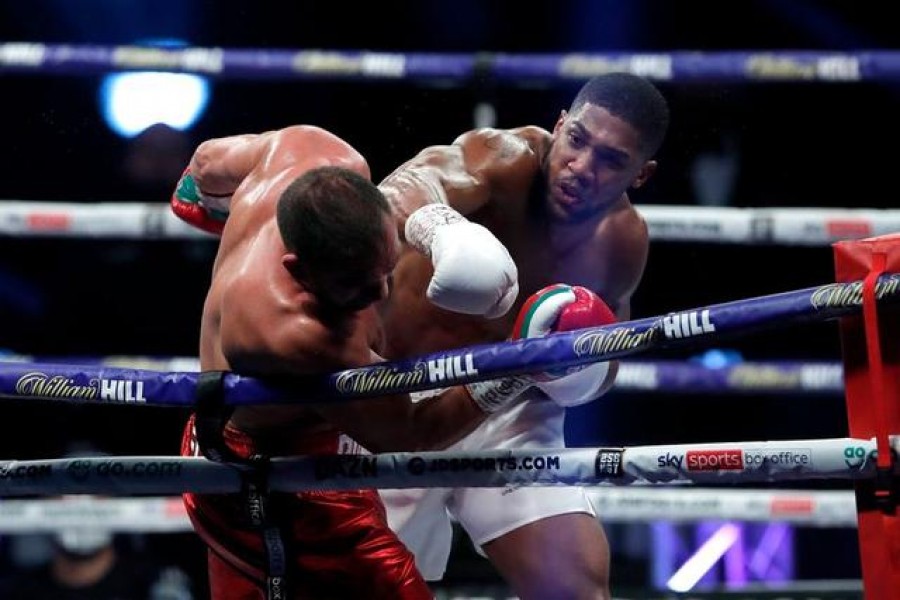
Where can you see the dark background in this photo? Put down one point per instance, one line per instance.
(812, 144)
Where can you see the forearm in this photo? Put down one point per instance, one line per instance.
(444, 420)
(410, 188)
(220, 165)
(437, 175)
(394, 424)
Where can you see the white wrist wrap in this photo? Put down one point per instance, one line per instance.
(494, 394)
(421, 225)
(220, 204)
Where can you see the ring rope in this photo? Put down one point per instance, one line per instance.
(728, 225)
(717, 463)
(750, 377)
(688, 66)
(144, 515)
(810, 508)
(635, 376)
(83, 383)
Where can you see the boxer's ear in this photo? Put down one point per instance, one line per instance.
(291, 262)
(645, 173)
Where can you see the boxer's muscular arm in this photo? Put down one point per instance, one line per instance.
(465, 175)
(203, 195)
(220, 165)
(395, 424)
(430, 194)
(390, 423)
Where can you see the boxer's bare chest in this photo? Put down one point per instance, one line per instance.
(546, 253)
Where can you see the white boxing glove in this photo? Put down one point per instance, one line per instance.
(473, 272)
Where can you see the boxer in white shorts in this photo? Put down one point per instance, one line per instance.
(558, 201)
(422, 517)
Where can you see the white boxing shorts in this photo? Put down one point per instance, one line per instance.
(422, 517)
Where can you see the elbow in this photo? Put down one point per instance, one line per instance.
(203, 161)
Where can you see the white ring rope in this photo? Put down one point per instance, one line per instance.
(615, 505)
(103, 220)
(788, 226)
(726, 462)
(812, 508)
(144, 515)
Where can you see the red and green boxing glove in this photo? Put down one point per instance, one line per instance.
(553, 309)
(204, 211)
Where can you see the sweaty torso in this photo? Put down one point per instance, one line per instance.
(545, 253)
(251, 295)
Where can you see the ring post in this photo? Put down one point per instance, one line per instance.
(872, 378)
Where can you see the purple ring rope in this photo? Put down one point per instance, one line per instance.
(751, 377)
(463, 365)
(794, 66)
(794, 377)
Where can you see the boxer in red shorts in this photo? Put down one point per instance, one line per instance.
(306, 253)
(342, 547)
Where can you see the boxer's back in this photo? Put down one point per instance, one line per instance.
(251, 294)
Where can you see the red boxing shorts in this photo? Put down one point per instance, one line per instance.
(339, 544)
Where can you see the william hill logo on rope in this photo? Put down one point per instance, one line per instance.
(446, 367)
(380, 379)
(42, 385)
(850, 294)
(687, 324)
